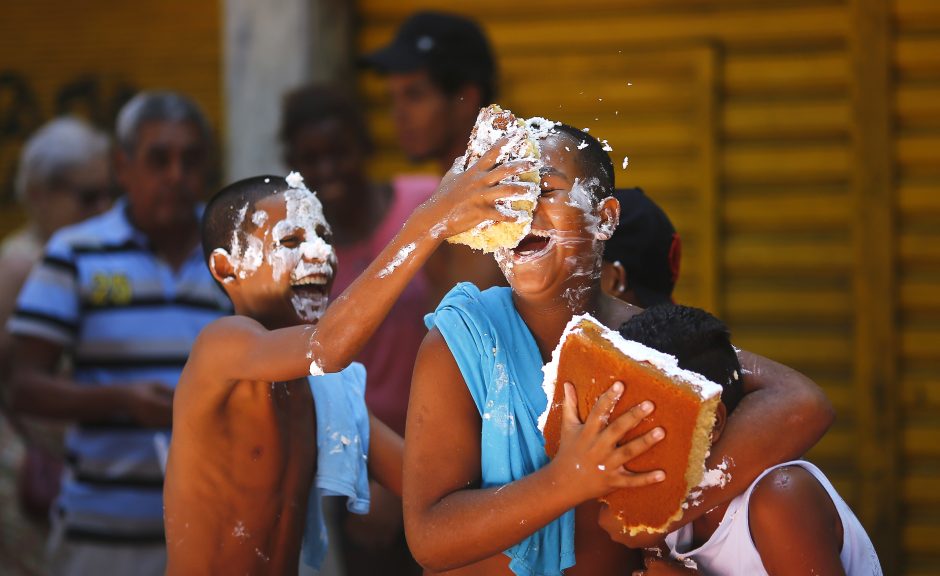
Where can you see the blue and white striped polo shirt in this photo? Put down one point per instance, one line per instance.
(124, 316)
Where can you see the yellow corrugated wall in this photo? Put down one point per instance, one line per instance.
(916, 112)
(747, 120)
(87, 56)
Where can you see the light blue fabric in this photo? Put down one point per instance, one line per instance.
(342, 452)
(500, 362)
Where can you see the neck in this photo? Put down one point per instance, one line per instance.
(456, 147)
(174, 244)
(547, 317)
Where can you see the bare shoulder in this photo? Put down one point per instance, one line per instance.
(785, 484)
(434, 350)
(219, 341)
(225, 332)
(790, 495)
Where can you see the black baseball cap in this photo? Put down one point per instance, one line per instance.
(646, 244)
(446, 44)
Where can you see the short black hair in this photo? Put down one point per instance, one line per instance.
(699, 341)
(316, 103)
(222, 219)
(592, 158)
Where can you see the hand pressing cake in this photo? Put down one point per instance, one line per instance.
(593, 357)
(494, 123)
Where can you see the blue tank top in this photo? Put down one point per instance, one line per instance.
(501, 364)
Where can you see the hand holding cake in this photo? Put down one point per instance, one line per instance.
(590, 458)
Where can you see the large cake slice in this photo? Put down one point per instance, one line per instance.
(593, 357)
(492, 124)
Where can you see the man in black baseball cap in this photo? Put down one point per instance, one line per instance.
(440, 71)
(641, 259)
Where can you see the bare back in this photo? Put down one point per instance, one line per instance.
(240, 469)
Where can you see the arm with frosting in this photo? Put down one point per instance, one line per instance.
(245, 349)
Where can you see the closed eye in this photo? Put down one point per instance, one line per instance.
(291, 241)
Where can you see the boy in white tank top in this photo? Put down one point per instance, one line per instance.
(789, 521)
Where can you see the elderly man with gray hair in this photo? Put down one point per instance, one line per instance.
(63, 177)
(123, 296)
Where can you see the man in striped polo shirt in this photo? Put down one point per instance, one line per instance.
(121, 297)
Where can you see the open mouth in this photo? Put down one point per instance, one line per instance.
(535, 245)
(312, 287)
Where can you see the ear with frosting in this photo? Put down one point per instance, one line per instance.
(221, 266)
(609, 212)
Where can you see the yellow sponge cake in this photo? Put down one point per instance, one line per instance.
(494, 123)
(593, 357)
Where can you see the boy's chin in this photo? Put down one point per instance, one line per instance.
(310, 302)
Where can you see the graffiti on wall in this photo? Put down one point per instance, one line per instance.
(96, 98)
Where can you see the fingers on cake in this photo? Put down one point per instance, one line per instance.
(492, 124)
(592, 357)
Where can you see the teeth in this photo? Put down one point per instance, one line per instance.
(310, 280)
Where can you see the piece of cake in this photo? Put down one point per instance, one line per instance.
(492, 124)
(593, 357)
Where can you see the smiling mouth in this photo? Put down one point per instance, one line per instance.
(312, 287)
(311, 280)
(535, 245)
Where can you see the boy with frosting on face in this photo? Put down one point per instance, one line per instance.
(256, 439)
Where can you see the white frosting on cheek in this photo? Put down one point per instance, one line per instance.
(252, 257)
(581, 198)
(282, 260)
(247, 256)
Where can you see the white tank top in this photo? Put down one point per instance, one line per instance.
(731, 549)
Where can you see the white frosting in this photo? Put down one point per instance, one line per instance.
(663, 362)
(398, 260)
(295, 180)
(245, 258)
(539, 127)
(304, 212)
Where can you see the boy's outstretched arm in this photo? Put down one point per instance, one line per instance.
(442, 494)
(242, 348)
(794, 524)
(781, 415)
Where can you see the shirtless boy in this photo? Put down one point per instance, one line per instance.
(243, 454)
(474, 459)
(790, 521)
